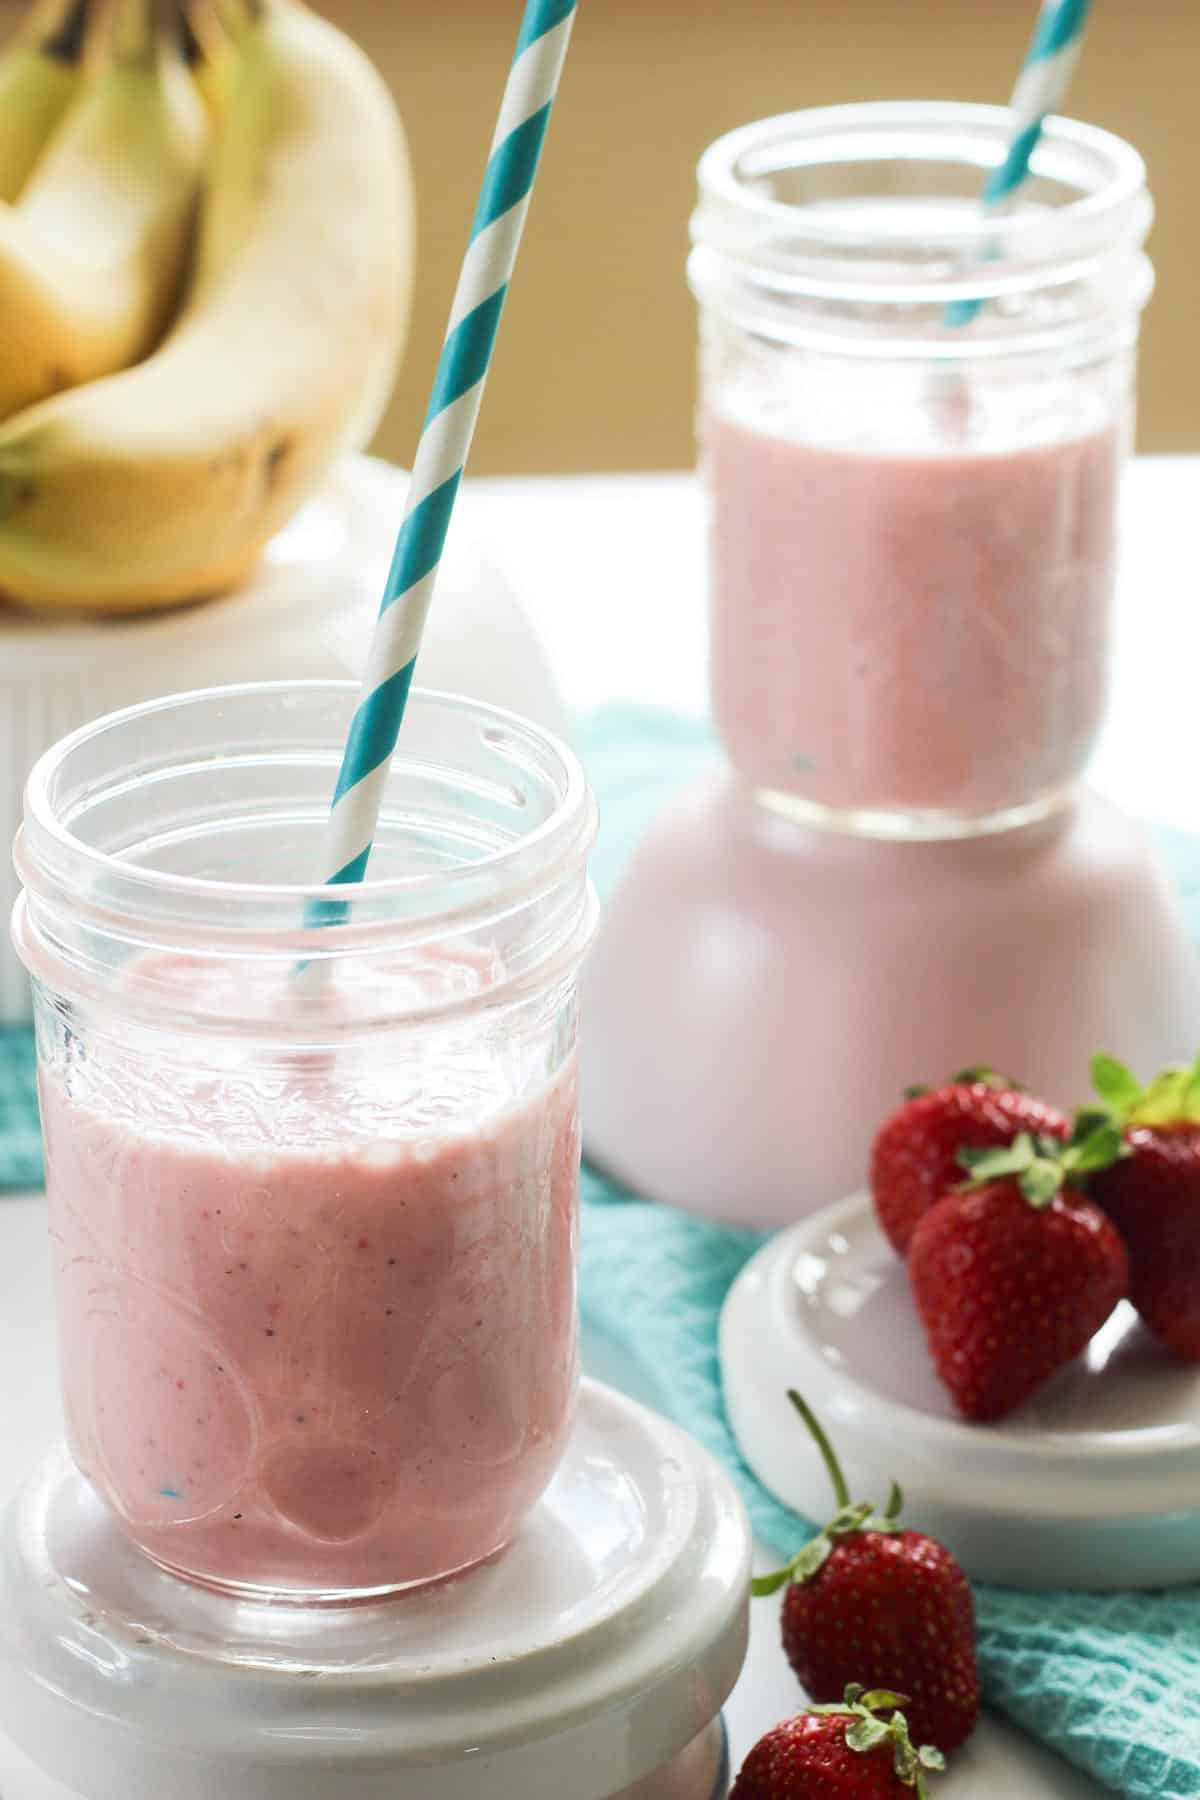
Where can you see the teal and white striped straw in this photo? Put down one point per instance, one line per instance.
(445, 442)
(1040, 90)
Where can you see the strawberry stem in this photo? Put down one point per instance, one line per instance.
(983, 1075)
(841, 1493)
(849, 1517)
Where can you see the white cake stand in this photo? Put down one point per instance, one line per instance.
(591, 1658)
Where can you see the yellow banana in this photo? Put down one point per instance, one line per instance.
(210, 55)
(40, 74)
(163, 483)
(92, 257)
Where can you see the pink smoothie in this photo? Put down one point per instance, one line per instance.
(910, 632)
(318, 1327)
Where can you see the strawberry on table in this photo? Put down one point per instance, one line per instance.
(1015, 1272)
(869, 1600)
(844, 1752)
(914, 1159)
(1152, 1194)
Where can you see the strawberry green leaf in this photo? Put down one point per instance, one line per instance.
(1040, 1183)
(981, 1075)
(994, 1165)
(848, 1708)
(888, 1521)
(1117, 1086)
(1099, 1150)
(1164, 1101)
(850, 1518)
(1172, 1098)
(1191, 1096)
(905, 1759)
(762, 1585)
(802, 1567)
(1087, 1120)
(879, 1699)
(867, 1734)
(812, 1558)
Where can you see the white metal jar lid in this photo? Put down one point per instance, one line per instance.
(579, 1661)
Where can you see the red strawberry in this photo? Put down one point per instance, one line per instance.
(841, 1752)
(1152, 1195)
(914, 1159)
(866, 1597)
(1013, 1274)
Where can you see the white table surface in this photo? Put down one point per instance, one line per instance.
(610, 569)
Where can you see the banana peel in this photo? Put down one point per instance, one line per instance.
(164, 482)
(92, 257)
(41, 73)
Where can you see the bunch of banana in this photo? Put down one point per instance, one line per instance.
(92, 254)
(163, 481)
(40, 73)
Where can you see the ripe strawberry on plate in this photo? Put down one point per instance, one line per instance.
(843, 1752)
(869, 1600)
(1015, 1272)
(1152, 1194)
(914, 1159)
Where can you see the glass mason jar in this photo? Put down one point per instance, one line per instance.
(313, 1194)
(912, 420)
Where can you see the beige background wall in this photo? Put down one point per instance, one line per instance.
(595, 368)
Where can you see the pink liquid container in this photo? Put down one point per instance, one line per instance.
(912, 422)
(312, 1193)
(913, 521)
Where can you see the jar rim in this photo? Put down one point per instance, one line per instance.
(39, 810)
(65, 875)
(882, 239)
(720, 179)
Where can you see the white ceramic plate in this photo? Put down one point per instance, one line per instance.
(1094, 1483)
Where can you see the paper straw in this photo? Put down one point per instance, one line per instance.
(445, 441)
(1040, 90)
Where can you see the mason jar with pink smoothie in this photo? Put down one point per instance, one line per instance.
(913, 420)
(313, 1194)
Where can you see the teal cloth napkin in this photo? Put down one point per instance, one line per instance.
(1110, 1680)
(20, 1135)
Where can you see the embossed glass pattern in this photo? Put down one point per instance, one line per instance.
(914, 521)
(313, 1196)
